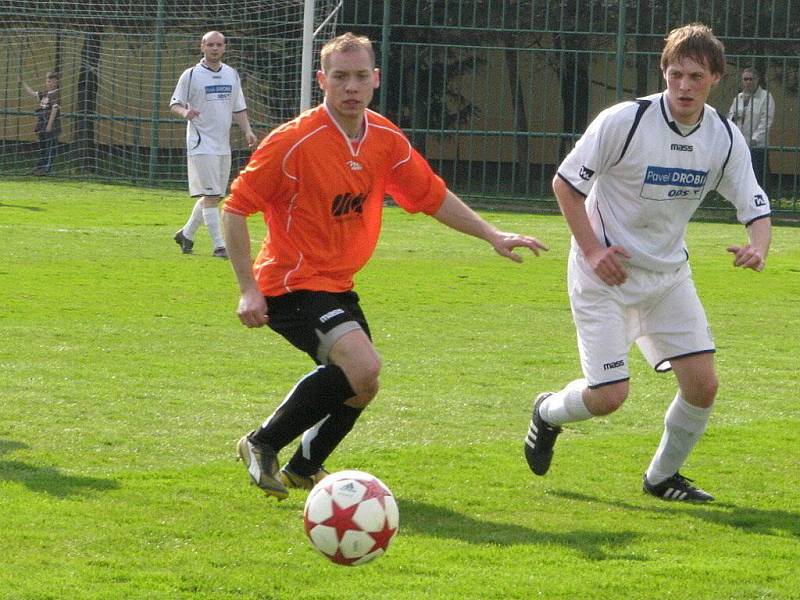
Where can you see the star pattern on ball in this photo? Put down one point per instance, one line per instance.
(342, 520)
(374, 490)
(382, 537)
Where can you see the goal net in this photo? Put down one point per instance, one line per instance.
(118, 62)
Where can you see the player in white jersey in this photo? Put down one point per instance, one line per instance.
(209, 96)
(627, 191)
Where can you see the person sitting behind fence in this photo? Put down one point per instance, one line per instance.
(48, 121)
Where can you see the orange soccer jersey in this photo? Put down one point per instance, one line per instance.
(322, 198)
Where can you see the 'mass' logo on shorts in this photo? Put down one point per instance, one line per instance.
(673, 183)
(330, 314)
(613, 365)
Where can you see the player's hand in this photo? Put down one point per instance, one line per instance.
(191, 113)
(608, 264)
(252, 309)
(747, 257)
(251, 138)
(504, 243)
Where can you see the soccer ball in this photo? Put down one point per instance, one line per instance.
(350, 517)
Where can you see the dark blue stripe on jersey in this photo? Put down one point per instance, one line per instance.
(199, 139)
(751, 221)
(672, 123)
(643, 106)
(567, 181)
(189, 85)
(727, 124)
(602, 224)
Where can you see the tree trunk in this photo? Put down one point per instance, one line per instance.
(87, 102)
(574, 75)
(520, 116)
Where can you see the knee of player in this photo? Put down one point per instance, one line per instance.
(706, 390)
(364, 379)
(364, 394)
(611, 398)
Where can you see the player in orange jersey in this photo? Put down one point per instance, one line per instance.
(320, 182)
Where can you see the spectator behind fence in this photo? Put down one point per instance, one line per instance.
(753, 110)
(48, 121)
(209, 96)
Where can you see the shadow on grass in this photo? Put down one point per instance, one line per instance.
(428, 519)
(46, 479)
(750, 519)
(20, 206)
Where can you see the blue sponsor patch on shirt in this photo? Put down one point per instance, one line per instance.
(672, 183)
(218, 92)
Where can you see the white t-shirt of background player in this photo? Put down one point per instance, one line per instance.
(644, 178)
(217, 95)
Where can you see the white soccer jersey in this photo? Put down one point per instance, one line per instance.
(644, 179)
(217, 95)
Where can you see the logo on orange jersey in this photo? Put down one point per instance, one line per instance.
(346, 203)
(355, 166)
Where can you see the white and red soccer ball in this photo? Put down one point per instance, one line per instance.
(351, 517)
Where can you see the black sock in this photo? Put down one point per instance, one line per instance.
(317, 394)
(320, 443)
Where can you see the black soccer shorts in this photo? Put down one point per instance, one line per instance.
(314, 321)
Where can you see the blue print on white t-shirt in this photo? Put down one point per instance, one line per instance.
(673, 183)
(218, 92)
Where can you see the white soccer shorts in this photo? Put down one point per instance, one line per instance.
(661, 312)
(209, 174)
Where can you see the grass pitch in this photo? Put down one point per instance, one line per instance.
(127, 380)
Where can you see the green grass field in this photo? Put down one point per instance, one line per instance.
(127, 380)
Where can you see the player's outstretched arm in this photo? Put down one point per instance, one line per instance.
(754, 255)
(252, 310)
(28, 89)
(457, 215)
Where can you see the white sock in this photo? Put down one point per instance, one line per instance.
(566, 406)
(683, 426)
(211, 217)
(195, 220)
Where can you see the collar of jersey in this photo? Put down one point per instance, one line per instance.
(671, 122)
(353, 145)
(205, 66)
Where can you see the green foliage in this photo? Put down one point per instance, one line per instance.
(126, 381)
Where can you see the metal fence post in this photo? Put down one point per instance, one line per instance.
(621, 29)
(154, 121)
(385, 34)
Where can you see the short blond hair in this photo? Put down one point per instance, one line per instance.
(347, 42)
(208, 34)
(697, 42)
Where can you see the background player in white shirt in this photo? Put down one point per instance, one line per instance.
(209, 96)
(627, 191)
